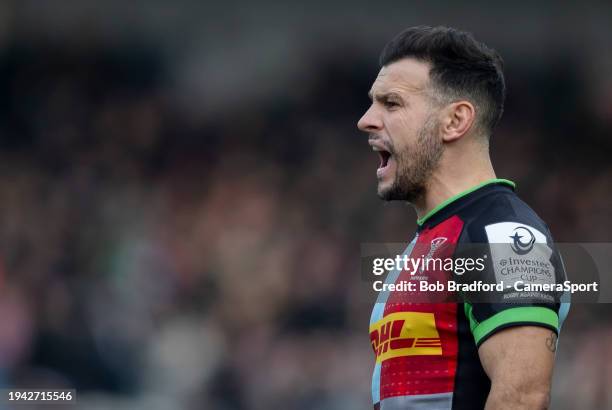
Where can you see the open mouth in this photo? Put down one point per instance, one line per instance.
(384, 158)
(385, 154)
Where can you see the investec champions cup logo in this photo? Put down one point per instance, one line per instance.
(522, 240)
(405, 334)
(518, 258)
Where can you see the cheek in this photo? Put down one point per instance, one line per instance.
(402, 129)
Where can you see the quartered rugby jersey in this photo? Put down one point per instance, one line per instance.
(427, 353)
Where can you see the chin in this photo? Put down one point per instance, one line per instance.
(386, 191)
(394, 192)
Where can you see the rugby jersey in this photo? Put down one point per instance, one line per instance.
(427, 353)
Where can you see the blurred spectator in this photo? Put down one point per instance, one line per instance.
(153, 260)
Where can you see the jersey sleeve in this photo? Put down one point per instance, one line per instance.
(519, 254)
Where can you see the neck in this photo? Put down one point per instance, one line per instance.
(453, 177)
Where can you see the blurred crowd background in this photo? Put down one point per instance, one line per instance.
(184, 192)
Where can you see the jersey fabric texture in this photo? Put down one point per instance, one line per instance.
(427, 353)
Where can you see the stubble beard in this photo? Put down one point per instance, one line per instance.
(415, 165)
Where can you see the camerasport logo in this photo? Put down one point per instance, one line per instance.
(522, 240)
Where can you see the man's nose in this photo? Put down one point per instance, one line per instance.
(370, 121)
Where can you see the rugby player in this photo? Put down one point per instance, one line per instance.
(437, 97)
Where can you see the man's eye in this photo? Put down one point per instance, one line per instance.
(391, 104)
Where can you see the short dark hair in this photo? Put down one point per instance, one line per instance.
(461, 67)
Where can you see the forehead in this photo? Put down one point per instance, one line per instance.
(407, 75)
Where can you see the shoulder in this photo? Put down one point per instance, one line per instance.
(495, 218)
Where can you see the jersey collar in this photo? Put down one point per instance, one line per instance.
(455, 198)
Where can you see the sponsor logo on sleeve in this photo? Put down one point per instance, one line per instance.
(519, 252)
(522, 240)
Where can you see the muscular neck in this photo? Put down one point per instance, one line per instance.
(458, 171)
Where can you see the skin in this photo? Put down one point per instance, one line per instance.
(403, 102)
(519, 361)
(438, 150)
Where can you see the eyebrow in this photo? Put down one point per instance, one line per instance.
(384, 96)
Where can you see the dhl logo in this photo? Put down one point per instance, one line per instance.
(405, 334)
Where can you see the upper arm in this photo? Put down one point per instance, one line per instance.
(519, 361)
(516, 333)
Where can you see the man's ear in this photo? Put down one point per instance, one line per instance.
(457, 119)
